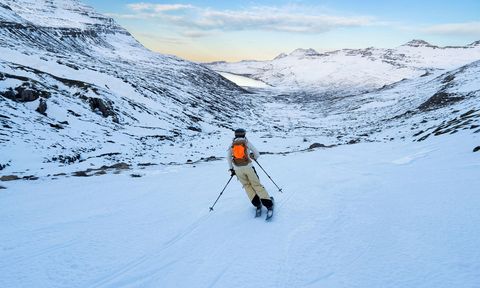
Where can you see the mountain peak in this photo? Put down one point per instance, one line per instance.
(280, 56)
(418, 43)
(473, 44)
(304, 52)
(53, 13)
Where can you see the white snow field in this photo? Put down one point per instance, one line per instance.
(243, 81)
(397, 214)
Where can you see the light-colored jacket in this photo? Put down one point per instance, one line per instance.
(250, 149)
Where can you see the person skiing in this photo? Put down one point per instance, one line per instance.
(239, 157)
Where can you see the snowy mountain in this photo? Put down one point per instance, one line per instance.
(78, 92)
(352, 70)
(75, 86)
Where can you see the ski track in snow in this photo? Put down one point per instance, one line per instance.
(410, 158)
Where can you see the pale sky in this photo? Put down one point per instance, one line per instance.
(238, 30)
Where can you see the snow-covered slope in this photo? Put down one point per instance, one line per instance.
(105, 94)
(377, 215)
(77, 92)
(350, 70)
(408, 110)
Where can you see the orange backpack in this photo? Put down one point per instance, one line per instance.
(240, 152)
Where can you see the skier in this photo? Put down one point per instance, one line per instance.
(239, 158)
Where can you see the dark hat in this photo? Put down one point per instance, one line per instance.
(240, 132)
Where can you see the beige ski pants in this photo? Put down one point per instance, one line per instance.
(249, 179)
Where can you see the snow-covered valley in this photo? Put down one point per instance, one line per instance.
(111, 155)
(350, 71)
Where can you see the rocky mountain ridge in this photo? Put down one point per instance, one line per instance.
(351, 70)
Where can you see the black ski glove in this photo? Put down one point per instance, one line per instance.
(232, 172)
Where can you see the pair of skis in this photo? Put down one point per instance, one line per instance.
(258, 212)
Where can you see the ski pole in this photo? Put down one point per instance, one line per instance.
(211, 208)
(279, 189)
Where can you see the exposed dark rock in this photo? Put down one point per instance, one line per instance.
(194, 118)
(211, 158)
(120, 166)
(9, 94)
(104, 107)
(355, 141)
(418, 133)
(468, 113)
(438, 100)
(56, 126)
(73, 113)
(419, 43)
(316, 145)
(60, 174)
(448, 79)
(135, 175)
(146, 164)
(476, 149)
(42, 107)
(9, 178)
(196, 129)
(100, 172)
(101, 155)
(30, 177)
(1, 187)
(24, 93)
(67, 159)
(27, 96)
(159, 137)
(427, 73)
(80, 174)
(64, 123)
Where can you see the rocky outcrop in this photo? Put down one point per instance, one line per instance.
(105, 108)
(438, 100)
(22, 94)
(9, 178)
(316, 145)
(42, 107)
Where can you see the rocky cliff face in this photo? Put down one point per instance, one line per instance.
(97, 89)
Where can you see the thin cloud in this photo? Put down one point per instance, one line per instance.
(201, 21)
(196, 33)
(163, 39)
(466, 29)
(140, 7)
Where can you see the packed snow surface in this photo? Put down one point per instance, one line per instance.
(397, 214)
